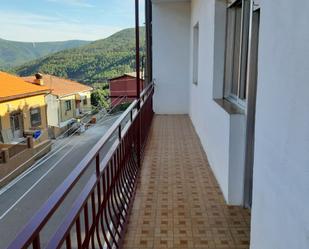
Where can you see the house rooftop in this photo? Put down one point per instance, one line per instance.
(14, 87)
(60, 86)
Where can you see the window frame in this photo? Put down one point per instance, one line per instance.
(33, 122)
(240, 98)
(195, 54)
(68, 105)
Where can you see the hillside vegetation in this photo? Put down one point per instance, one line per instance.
(14, 54)
(92, 63)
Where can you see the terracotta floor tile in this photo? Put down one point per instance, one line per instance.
(178, 202)
(162, 242)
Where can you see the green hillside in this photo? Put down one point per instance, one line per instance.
(14, 54)
(92, 63)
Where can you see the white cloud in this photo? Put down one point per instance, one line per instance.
(21, 26)
(77, 3)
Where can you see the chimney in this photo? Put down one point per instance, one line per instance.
(39, 79)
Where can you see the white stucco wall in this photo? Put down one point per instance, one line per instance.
(222, 134)
(171, 43)
(52, 110)
(280, 214)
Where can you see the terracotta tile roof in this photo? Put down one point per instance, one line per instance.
(13, 87)
(60, 86)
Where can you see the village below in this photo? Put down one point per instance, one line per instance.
(41, 103)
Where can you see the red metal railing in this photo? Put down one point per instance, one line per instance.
(98, 217)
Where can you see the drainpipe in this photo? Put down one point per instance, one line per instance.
(137, 48)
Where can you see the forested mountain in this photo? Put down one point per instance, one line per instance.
(14, 53)
(92, 63)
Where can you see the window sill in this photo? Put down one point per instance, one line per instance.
(229, 107)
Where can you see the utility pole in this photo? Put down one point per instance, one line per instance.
(138, 81)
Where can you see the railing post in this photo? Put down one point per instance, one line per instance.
(97, 165)
(36, 244)
(119, 133)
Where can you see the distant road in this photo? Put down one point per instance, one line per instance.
(20, 202)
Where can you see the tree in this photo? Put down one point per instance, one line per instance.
(99, 98)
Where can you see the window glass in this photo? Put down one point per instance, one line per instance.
(236, 57)
(35, 117)
(237, 35)
(68, 106)
(195, 53)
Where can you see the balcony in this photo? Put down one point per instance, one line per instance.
(153, 188)
(178, 202)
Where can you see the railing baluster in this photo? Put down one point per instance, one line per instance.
(119, 196)
(107, 209)
(96, 219)
(116, 211)
(109, 203)
(68, 242)
(86, 223)
(78, 233)
(123, 186)
(102, 212)
(119, 191)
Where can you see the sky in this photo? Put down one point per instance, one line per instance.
(60, 20)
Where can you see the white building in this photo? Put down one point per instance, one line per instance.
(69, 100)
(240, 70)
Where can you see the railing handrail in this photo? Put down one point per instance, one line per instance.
(40, 219)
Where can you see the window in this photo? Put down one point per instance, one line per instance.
(35, 117)
(236, 52)
(195, 53)
(85, 101)
(68, 106)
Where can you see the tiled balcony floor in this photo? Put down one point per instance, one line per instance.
(178, 202)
